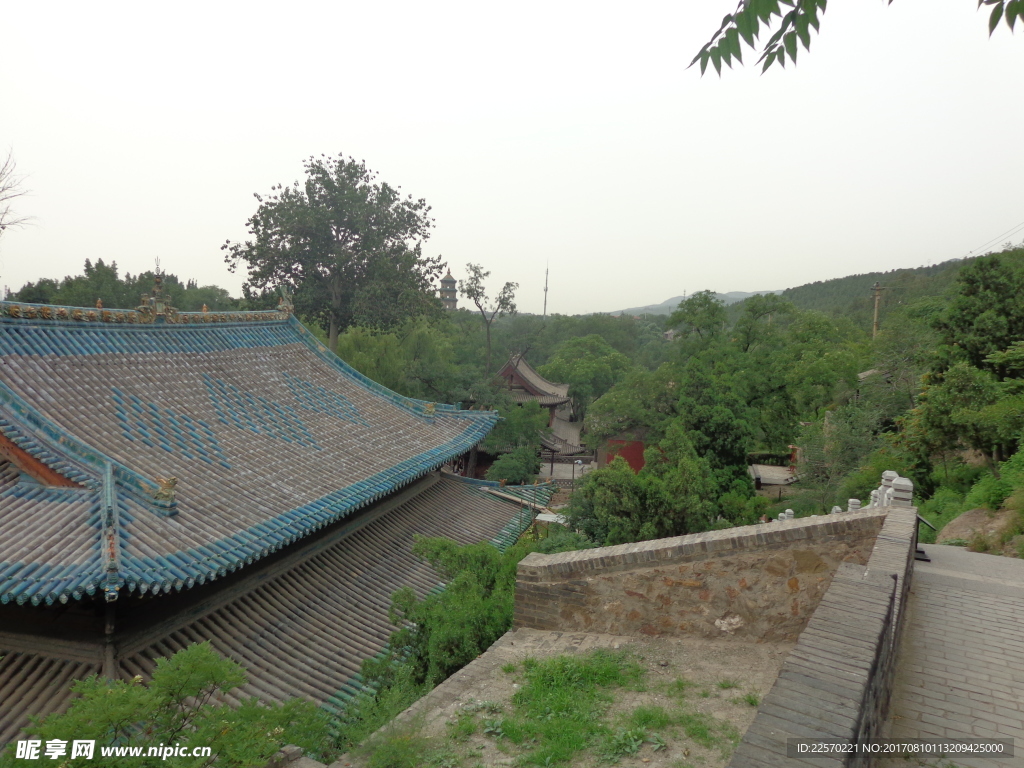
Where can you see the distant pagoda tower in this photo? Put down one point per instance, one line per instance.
(448, 292)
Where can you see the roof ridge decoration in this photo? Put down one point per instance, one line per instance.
(285, 303)
(143, 315)
(111, 537)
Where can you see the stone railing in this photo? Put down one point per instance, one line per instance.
(836, 683)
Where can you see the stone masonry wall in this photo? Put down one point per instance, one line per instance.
(761, 581)
(837, 681)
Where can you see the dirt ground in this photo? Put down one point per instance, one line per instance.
(984, 531)
(722, 679)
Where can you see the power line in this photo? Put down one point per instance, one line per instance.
(1011, 231)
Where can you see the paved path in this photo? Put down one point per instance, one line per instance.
(961, 666)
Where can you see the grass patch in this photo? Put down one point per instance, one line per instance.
(398, 747)
(727, 684)
(559, 710)
(465, 725)
(678, 687)
(559, 713)
(622, 743)
(653, 718)
(752, 699)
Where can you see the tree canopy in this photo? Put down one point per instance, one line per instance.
(350, 247)
(102, 281)
(589, 365)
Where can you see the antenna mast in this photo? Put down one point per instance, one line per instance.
(876, 290)
(545, 292)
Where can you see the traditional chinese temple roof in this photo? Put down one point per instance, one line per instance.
(301, 626)
(152, 452)
(522, 377)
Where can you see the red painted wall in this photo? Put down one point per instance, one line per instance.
(631, 450)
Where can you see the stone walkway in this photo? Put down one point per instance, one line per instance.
(960, 672)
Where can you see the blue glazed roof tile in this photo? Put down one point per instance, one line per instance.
(270, 438)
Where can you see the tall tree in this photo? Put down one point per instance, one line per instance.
(985, 314)
(350, 246)
(503, 304)
(589, 365)
(703, 314)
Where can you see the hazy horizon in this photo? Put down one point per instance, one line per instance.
(569, 136)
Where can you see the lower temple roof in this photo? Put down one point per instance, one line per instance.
(302, 632)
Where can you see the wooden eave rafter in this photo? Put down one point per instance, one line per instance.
(32, 466)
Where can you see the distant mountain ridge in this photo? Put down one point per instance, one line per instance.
(668, 306)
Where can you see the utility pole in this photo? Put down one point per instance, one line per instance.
(876, 290)
(545, 292)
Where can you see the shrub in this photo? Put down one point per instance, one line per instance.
(988, 492)
(177, 707)
(939, 510)
(519, 466)
(562, 540)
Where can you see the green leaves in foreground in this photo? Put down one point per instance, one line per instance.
(182, 706)
(746, 21)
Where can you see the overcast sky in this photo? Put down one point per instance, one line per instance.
(561, 133)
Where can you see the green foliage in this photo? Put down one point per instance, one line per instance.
(415, 359)
(398, 748)
(702, 314)
(363, 715)
(745, 23)
(984, 315)
(968, 408)
(622, 743)
(563, 540)
(755, 328)
(589, 365)
(650, 717)
(671, 496)
(643, 402)
(834, 447)
(351, 247)
(859, 483)
(102, 282)
(447, 629)
(989, 492)
(521, 426)
(518, 467)
(715, 422)
(559, 707)
(179, 706)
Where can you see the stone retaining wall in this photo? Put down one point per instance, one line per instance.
(837, 682)
(761, 581)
